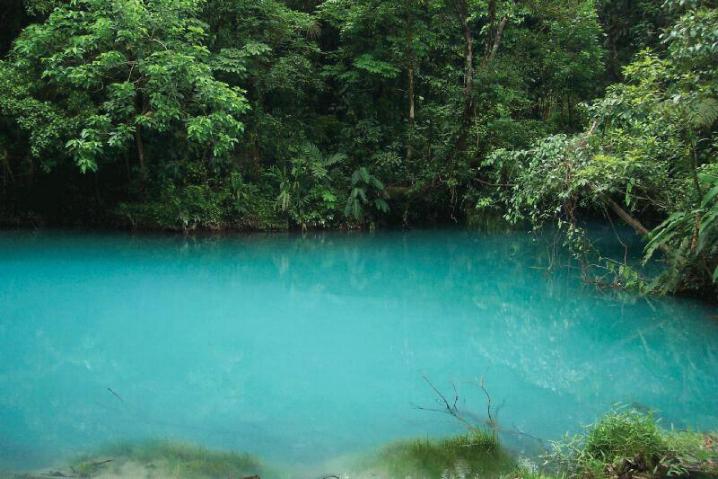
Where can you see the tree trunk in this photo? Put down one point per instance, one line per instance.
(462, 11)
(8, 176)
(497, 42)
(140, 149)
(140, 109)
(627, 218)
(141, 156)
(412, 113)
(411, 55)
(492, 47)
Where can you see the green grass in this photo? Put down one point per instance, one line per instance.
(170, 459)
(476, 454)
(631, 444)
(626, 434)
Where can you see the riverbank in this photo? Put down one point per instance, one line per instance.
(624, 444)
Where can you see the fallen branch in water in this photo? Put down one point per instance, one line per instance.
(452, 409)
(492, 420)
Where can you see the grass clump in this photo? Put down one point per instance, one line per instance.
(630, 444)
(477, 454)
(161, 459)
(626, 440)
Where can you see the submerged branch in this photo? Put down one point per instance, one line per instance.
(451, 408)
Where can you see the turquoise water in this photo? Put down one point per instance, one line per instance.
(302, 349)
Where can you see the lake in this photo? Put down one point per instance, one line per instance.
(302, 349)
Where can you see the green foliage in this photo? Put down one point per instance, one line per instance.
(376, 67)
(631, 26)
(625, 434)
(196, 206)
(650, 152)
(186, 209)
(367, 198)
(306, 194)
(98, 75)
(692, 239)
(137, 91)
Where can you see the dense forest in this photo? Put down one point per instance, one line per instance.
(307, 114)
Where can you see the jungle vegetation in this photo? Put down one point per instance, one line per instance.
(300, 114)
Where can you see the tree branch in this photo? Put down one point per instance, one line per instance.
(497, 42)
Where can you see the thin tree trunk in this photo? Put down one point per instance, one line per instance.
(412, 114)
(463, 14)
(694, 172)
(8, 175)
(468, 60)
(492, 20)
(141, 156)
(492, 47)
(497, 42)
(140, 109)
(411, 55)
(140, 149)
(127, 167)
(412, 111)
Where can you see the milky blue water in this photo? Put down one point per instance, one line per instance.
(301, 349)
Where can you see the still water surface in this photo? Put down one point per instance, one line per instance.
(301, 349)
